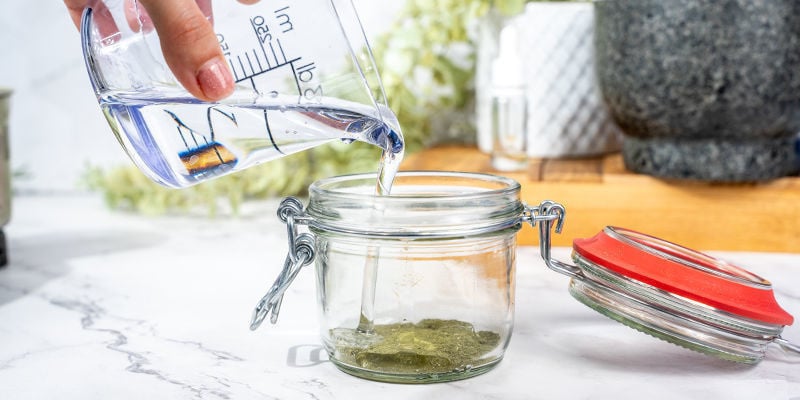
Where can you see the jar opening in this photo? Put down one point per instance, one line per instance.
(416, 184)
(422, 204)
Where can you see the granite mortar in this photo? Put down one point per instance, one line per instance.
(703, 90)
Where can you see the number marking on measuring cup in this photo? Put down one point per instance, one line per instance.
(268, 53)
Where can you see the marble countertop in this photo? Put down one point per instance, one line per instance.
(105, 305)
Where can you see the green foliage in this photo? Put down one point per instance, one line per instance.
(427, 62)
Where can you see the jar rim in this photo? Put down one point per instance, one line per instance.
(430, 204)
(328, 186)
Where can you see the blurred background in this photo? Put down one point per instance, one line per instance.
(691, 106)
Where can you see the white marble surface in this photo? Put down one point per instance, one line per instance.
(102, 305)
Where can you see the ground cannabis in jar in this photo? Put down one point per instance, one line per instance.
(429, 346)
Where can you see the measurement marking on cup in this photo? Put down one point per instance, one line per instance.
(260, 67)
(261, 30)
(180, 133)
(305, 74)
(266, 57)
(274, 56)
(296, 81)
(280, 47)
(265, 36)
(181, 127)
(266, 120)
(244, 71)
(247, 56)
(269, 132)
(253, 84)
(207, 156)
(284, 20)
(235, 75)
(246, 77)
(230, 116)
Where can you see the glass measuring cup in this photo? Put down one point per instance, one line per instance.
(304, 76)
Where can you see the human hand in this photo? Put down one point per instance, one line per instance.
(188, 41)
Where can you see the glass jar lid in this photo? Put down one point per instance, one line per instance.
(671, 292)
(673, 269)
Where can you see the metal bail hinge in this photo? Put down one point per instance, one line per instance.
(301, 253)
(546, 214)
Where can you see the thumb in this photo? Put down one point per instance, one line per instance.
(190, 47)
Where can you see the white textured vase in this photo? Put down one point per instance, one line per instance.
(566, 115)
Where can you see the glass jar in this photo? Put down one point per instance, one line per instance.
(417, 286)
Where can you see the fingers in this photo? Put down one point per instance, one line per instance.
(103, 20)
(205, 8)
(190, 47)
(137, 17)
(188, 41)
(139, 20)
(75, 8)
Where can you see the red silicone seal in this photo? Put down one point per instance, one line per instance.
(684, 272)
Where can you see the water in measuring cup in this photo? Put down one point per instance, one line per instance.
(181, 141)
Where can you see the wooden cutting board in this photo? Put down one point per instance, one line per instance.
(597, 192)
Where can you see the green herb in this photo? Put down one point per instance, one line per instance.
(430, 346)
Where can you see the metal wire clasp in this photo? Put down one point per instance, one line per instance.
(301, 253)
(547, 214)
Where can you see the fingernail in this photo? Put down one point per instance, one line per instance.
(215, 79)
